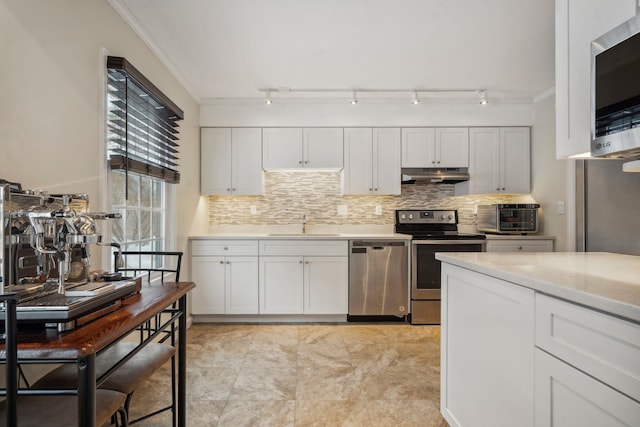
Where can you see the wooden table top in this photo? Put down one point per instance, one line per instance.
(98, 334)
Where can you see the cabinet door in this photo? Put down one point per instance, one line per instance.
(358, 161)
(418, 148)
(215, 161)
(246, 161)
(519, 245)
(515, 161)
(210, 275)
(326, 285)
(566, 397)
(281, 285)
(484, 160)
(578, 23)
(452, 147)
(281, 148)
(387, 175)
(487, 338)
(323, 148)
(241, 285)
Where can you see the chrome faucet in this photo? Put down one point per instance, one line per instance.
(304, 223)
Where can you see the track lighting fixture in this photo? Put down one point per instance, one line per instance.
(381, 92)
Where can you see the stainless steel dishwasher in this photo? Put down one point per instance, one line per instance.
(378, 277)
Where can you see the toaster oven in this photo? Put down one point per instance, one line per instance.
(508, 218)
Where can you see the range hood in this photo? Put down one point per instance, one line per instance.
(434, 175)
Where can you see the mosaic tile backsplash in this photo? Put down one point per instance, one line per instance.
(290, 195)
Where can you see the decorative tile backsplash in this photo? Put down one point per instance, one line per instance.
(290, 195)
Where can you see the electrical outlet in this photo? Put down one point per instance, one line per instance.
(378, 210)
(253, 210)
(342, 210)
(560, 207)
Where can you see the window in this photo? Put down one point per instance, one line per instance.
(142, 148)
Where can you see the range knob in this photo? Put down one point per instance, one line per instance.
(410, 216)
(403, 216)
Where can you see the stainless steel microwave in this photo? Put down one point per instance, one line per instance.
(508, 218)
(615, 92)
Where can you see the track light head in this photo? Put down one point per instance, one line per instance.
(354, 99)
(415, 100)
(482, 94)
(267, 98)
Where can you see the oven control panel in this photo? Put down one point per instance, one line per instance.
(426, 217)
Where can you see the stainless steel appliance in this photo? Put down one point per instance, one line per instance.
(508, 218)
(432, 231)
(378, 278)
(607, 206)
(46, 258)
(615, 92)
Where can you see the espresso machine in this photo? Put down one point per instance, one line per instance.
(47, 240)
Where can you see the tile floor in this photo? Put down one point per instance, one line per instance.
(305, 375)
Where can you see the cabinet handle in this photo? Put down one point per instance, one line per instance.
(306, 161)
(226, 248)
(233, 189)
(371, 189)
(503, 188)
(300, 162)
(228, 189)
(519, 248)
(433, 162)
(300, 261)
(228, 262)
(306, 262)
(438, 161)
(498, 189)
(221, 262)
(375, 189)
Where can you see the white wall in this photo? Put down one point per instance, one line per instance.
(51, 102)
(549, 176)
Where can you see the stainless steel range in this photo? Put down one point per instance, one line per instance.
(432, 231)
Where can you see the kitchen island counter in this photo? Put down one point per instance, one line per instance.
(540, 339)
(604, 281)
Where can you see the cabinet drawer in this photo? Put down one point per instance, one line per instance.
(520, 246)
(602, 346)
(224, 247)
(304, 248)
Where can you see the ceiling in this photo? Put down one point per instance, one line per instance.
(233, 48)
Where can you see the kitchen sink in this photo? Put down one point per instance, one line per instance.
(302, 234)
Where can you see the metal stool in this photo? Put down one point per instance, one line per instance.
(50, 410)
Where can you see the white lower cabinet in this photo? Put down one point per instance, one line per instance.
(226, 285)
(314, 282)
(515, 357)
(324, 285)
(567, 397)
(226, 273)
(487, 344)
(281, 285)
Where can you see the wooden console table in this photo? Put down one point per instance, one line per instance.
(82, 344)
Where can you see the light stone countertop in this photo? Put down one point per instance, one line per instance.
(301, 236)
(294, 231)
(604, 281)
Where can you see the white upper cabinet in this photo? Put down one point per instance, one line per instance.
(322, 148)
(372, 161)
(435, 147)
(499, 161)
(578, 23)
(295, 148)
(230, 161)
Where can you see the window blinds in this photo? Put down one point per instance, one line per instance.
(142, 124)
